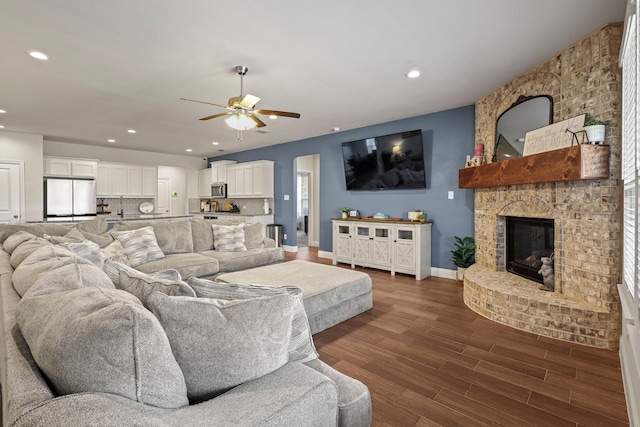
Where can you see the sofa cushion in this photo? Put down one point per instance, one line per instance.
(103, 239)
(139, 245)
(68, 274)
(301, 348)
(234, 261)
(22, 251)
(220, 344)
(88, 250)
(41, 260)
(188, 265)
(104, 341)
(38, 230)
(253, 235)
(142, 285)
(98, 225)
(228, 238)
(74, 235)
(202, 232)
(115, 252)
(173, 235)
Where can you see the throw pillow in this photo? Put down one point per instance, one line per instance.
(74, 235)
(202, 232)
(104, 341)
(139, 245)
(87, 250)
(301, 348)
(115, 252)
(221, 344)
(25, 249)
(229, 238)
(16, 239)
(142, 285)
(253, 235)
(98, 225)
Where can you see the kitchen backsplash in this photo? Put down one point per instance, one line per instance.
(130, 206)
(246, 206)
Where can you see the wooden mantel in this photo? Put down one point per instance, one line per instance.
(566, 164)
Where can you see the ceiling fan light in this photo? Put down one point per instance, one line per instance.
(240, 121)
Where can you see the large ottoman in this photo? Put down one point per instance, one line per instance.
(331, 294)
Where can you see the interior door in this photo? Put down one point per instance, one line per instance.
(10, 206)
(164, 196)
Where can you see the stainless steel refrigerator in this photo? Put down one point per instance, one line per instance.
(69, 199)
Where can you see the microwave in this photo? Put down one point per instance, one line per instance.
(219, 190)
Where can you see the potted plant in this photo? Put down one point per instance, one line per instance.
(464, 254)
(594, 129)
(343, 212)
(422, 217)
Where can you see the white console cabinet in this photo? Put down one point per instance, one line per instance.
(396, 246)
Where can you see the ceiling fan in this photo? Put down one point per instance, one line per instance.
(242, 112)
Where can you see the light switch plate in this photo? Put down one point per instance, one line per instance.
(286, 197)
(450, 195)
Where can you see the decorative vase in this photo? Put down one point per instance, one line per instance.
(595, 133)
(344, 215)
(460, 273)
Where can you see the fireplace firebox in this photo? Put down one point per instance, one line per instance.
(528, 240)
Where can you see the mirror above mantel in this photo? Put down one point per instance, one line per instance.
(526, 114)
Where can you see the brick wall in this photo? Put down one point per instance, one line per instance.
(583, 78)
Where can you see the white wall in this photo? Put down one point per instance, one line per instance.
(29, 149)
(178, 178)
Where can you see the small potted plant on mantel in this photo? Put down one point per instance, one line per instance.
(464, 254)
(343, 212)
(595, 130)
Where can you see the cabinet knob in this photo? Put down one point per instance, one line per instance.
(15, 216)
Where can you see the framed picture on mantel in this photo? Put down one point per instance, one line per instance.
(552, 137)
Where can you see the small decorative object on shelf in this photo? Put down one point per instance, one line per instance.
(468, 163)
(343, 212)
(422, 217)
(546, 271)
(381, 215)
(413, 215)
(354, 213)
(478, 155)
(595, 130)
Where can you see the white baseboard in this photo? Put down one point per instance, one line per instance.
(325, 254)
(630, 355)
(288, 248)
(445, 273)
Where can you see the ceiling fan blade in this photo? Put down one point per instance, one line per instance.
(204, 102)
(214, 116)
(259, 122)
(278, 113)
(248, 101)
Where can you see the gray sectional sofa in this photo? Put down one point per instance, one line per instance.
(127, 360)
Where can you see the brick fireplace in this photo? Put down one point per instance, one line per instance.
(584, 307)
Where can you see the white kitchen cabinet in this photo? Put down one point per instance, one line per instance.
(219, 170)
(204, 182)
(250, 179)
(123, 180)
(396, 247)
(75, 168)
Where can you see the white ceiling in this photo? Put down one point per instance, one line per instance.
(120, 64)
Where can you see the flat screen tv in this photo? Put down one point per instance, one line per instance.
(389, 162)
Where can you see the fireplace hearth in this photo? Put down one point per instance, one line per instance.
(528, 240)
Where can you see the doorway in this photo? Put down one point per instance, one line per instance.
(11, 192)
(307, 200)
(164, 196)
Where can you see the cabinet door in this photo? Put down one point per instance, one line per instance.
(149, 182)
(84, 168)
(103, 181)
(231, 181)
(257, 180)
(362, 243)
(119, 180)
(405, 249)
(134, 181)
(204, 183)
(57, 167)
(342, 242)
(381, 246)
(247, 180)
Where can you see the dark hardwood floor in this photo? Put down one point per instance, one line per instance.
(428, 360)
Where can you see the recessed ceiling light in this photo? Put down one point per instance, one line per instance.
(189, 150)
(2, 111)
(273, 117)
(37, 55)
(131, 131)
(335, 129)
(215, 143)
(111, 140)
(413, 74)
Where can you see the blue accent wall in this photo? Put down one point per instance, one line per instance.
(447, 137)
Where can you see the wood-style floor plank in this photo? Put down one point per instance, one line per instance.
(430, 361)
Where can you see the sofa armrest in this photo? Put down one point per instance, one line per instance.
(268, 242)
